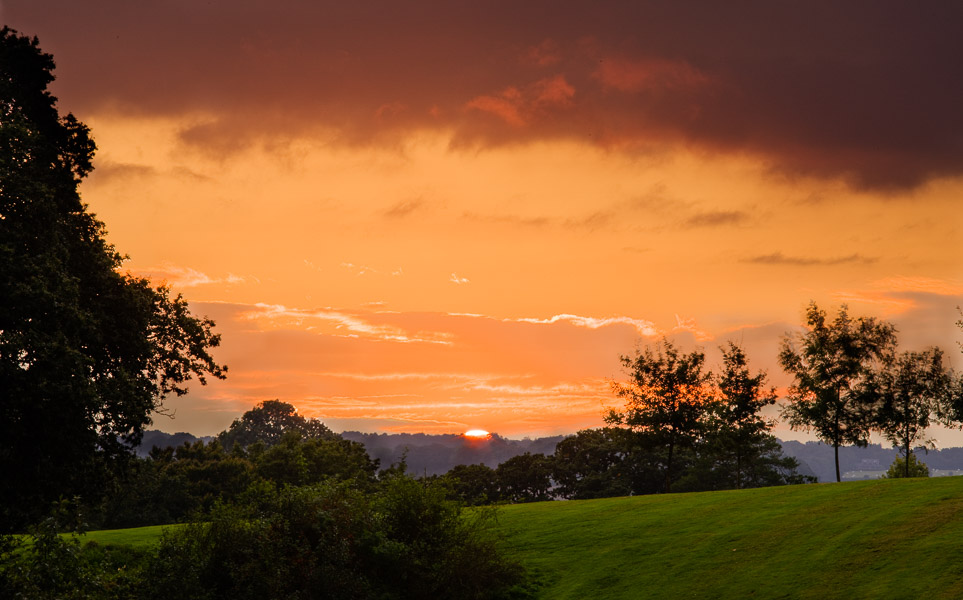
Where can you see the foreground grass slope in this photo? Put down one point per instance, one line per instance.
(874, 539)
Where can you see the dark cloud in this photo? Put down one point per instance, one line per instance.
(404, 208)
(717, 218)
(106, 171)
(865, 90)
(780, 259)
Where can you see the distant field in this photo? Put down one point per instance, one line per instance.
(873, 539)
(868, 539)
(138, 537)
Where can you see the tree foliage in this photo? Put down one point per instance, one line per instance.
(737, 449)
(268, 422)
(910, 389)
(666, 400)
(87, 353)
(525, 478)
(831, 363)
(907, 466)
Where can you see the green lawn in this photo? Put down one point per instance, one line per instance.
(874, 539)
(138, 537)
(868, 539)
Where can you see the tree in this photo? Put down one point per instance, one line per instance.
(87, 353)
(525, 478)
(831, 363)
(595, 463)
(910, 466)
(268, 422)
(737, 444)
(909, 389)
(666, 400)
(473, 485)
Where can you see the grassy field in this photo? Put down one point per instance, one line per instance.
(138, 537)
(874, 539)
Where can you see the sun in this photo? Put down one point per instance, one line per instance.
(477, 434)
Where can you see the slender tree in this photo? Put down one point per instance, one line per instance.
(667, 398)
(830, 363)
(909, 390)
(737, 439)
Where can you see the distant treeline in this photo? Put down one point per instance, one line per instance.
(428, 454)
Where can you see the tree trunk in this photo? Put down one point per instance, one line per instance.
(836, 437)
(836, 451)
(906, 466)
(668, 467)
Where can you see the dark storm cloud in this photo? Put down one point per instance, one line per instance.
(867, 91)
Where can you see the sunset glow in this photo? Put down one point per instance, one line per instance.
(421, 217)
(477, 433)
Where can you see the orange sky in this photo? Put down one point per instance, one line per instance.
(416, 217)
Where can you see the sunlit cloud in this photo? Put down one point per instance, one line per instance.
(336, 323)
(185, 277)
(644, 328)
(459, 280)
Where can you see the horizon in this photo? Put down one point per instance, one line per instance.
(425, 219)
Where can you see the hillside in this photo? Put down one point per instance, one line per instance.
(874, 539)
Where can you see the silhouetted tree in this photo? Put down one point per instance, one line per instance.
(268, 422)
(909, 389)
(525, 478)
(666, 400)
(831, 363)
(595, 463)
(474, 485)
(737, 449)
(87, 353)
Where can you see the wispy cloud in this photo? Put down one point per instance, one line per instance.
(338, 323)
(185, 277)
(928, 285)
(404, 208)
(778, 258)
(717, 218)
(459, 280)
(645, 328)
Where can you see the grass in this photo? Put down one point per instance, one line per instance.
(140, 538)
(896, 539)
(874, 539)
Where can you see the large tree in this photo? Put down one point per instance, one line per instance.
(268, 422)
(667, 398)
(87, 353)
(831, 363)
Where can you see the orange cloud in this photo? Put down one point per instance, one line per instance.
(521, 107)
(649, 74)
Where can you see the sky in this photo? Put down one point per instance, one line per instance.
(437, 216)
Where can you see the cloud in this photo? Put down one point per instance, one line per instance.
(404, 208)
(644, 328)
(185, 277)
(337, 323)
(847, 99)
(717, 218)
(459, 280)
(780, 259)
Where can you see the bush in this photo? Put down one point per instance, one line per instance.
(332, 541)
(898, 468)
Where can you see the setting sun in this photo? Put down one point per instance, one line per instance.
(477, 433)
